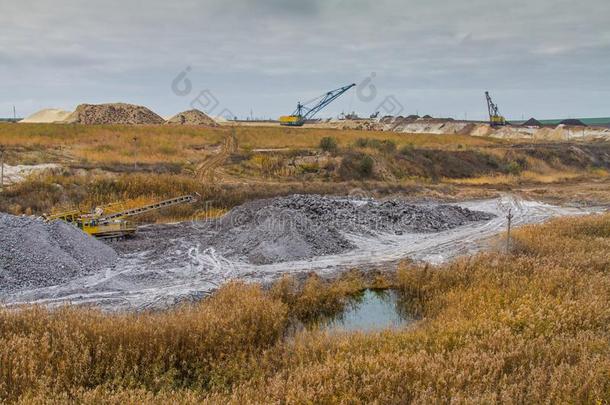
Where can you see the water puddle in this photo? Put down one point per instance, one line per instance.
(372, 310)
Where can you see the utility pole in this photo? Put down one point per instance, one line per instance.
(1, 169)
(135, 154)
(509, 217)
(14, 114)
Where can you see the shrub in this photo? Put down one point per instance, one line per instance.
(328, 144)
(356, 166)
(267, 164)
(514, 168)
(361, 142)
(383, 145)
(313, 167)
(407, 149)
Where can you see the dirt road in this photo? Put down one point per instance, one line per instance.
(138, 282)
(206, 171)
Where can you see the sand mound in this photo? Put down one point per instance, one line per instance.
(223, 120)
(48, 115)
(115, 113)
(37, 254)
(192, 117)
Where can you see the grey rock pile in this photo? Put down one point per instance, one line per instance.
(264, 233)
(35, 254)
(365, 217)
(304, 226)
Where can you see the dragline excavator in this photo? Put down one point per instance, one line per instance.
(110, 221)
(495, 119)
(304, 113)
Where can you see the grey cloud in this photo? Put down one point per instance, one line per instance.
(267, 54)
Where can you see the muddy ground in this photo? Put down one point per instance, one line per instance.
(166, 264)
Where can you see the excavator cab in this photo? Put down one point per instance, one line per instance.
(497, 120)
(292, 120)
(112, 229)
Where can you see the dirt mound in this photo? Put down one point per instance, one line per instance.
(192, 117)
(115, 113)
(305, 226)
(37, 254)
(573, 122)
(532, 122)
(47, 116)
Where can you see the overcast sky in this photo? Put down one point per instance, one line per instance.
(541, 58)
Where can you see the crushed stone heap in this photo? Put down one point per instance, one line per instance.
(192, 117)
(114, 113)
(532, 122)
(35, 254)
(304, 226)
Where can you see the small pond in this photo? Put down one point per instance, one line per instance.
(372, 310)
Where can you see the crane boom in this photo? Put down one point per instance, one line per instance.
(303, 113)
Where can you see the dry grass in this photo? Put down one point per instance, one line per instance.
(104, 164)
(196, 346)
(269, 137)
(524, 177)
(115, 144)
(51, 193)
(316, 299)
(533, 327)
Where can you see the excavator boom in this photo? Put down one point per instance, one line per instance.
(303, 113)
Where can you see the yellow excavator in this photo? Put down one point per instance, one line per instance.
(304, 113)
(495, 119)
(110, 221)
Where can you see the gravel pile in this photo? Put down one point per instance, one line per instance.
(264, 233)
(366, 217)
(573, 122)
(532, 122)
(297, 227)
(36, 254)
(115, 113)
(304, 226)
(192, 117)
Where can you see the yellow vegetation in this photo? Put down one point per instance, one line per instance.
(533, 327)
(509, 179)
(116, 144)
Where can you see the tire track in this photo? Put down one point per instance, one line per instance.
(207, 170)
(136, 283)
